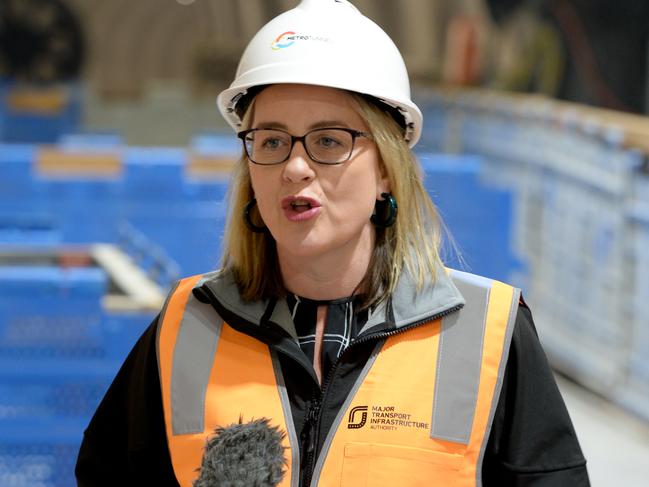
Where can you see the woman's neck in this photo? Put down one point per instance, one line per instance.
(332, 275)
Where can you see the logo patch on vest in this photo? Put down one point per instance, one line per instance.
(384, 418)
(353, 416)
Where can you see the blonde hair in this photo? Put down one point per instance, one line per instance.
(412, 242)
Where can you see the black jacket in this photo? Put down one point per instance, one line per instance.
(532, 441)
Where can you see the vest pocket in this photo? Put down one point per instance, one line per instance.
(381, 465)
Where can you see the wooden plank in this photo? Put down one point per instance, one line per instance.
(37, 101)
(210, 167)
(54, 162)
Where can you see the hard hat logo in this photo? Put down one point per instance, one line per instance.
(283, 40)
(289, 38)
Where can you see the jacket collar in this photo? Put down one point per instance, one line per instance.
(407, 307)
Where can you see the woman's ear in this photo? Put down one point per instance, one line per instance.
(383, 186)
(383, 182)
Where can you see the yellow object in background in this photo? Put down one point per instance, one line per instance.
(54, 162)
(41, 101)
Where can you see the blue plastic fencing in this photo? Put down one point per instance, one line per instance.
(17, 228)
(34, 122)
(154, 193)
(59, 348)
(168, 207)
(216, 146)
(18, 190)
(69, 297)
(40, 459)
(478, 218)
(59, 351)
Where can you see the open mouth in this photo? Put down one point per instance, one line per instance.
(300, 206)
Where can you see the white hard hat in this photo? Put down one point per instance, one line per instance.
(325, 43)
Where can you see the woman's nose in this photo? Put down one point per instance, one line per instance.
(298, 166)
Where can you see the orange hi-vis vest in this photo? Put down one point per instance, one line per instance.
(419, 413)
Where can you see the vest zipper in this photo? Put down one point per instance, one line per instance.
(315, 410)
(386, 334)
(313, 418)
(310, 428)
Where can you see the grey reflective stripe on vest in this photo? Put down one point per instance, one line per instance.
(193, 358)
(288, 420)
(161, 319)
(513, 311)
(459, 361)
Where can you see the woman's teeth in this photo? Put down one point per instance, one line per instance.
(296, 204)
(300, 206)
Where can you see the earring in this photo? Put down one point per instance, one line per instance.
(385, 211)
(247, 218)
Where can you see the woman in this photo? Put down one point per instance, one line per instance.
(333, 315)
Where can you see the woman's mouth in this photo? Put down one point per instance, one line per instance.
(298, 209)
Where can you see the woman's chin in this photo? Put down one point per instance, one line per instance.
(303, 249)
(324, 240)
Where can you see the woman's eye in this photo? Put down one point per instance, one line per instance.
(328, 142)
(272, 143)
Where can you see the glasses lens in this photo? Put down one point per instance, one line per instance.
(329, 145)
(267, 146)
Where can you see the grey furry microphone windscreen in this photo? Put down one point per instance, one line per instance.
(243, 455)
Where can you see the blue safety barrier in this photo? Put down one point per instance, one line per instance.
(50, 311)
(477, 218)
(190, 234)
(153, 174)
(59, 351)
(38, 114)
(93, 141)
(20, 228)
(40, 452)
(18, 190)
(170, 222)
(49, 388)
(214, 144)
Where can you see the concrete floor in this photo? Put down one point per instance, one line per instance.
(615, 443)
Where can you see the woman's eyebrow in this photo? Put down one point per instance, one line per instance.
(316, 125)
(271, 125)
(328, 123)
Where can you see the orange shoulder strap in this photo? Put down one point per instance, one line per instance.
(211, 375)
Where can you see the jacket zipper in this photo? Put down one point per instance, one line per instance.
(314, 414)
(309, 426)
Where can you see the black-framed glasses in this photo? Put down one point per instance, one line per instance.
(323, 145)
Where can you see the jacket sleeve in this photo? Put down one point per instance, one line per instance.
(532, 440)
(125, 442)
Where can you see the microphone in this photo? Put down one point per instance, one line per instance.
(243, 455)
